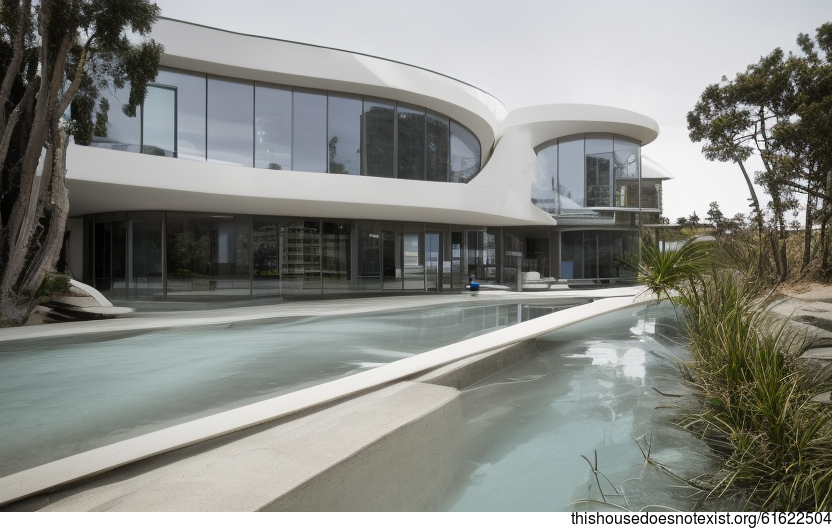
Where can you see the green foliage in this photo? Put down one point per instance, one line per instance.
(664, 272)
(780, 111)
(54, 53)
(757, 410)
(52, 284)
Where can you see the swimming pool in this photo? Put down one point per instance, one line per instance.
(588, 390)
(60, 397)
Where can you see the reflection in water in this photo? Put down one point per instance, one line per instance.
(588, 392)
(61, 398)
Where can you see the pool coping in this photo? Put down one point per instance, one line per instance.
(96, 461)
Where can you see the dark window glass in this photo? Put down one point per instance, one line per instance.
(144, 256)
(378, 154)
(265, 241)
(309, 152)
(465, 153)
(438, 144)
(598, 183)
(336, 256)
(159, 121)
(190, 112)
(207, 254)
(301, 272)
(344, 134)
(230, 122)
(411, 159)
(272, 127)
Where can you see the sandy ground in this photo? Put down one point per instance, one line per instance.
(808, 291)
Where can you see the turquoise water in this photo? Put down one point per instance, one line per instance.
(62, 397)
(587, 392)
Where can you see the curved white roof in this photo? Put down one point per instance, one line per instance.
(101, 180)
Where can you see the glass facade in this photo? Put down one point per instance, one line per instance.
(597, 254)
(272, 127)
(230, 116)
(240, 122)
(577, 174)
(186, 256)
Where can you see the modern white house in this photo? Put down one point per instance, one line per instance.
(261, 167)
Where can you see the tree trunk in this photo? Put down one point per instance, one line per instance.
(807, 232)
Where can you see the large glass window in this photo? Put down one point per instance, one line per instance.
(239, 122)
(123, 132)
(265, 241)
(411, 135)
(598, 183)
(272, 127)
(344, 134)
(190, 111)
(301, 272)
(368, 255)
(545, 181)
(465, 153)
(230, 122)
(438, 130)
(309, 153)
(207, 254)
(159, 121)
(570, 185)
(336, 261)
(379, 123)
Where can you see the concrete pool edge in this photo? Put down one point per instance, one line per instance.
(90, 463)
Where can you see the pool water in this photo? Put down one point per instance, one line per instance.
(59, 398)
(587, 392)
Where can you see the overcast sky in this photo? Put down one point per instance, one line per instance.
(654, 57)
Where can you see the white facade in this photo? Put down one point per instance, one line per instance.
(116, 180)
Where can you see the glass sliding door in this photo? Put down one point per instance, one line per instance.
(335, 257)
(413, 260)
(265, 242)
(391, 257)
(301, 257)
(433, 261)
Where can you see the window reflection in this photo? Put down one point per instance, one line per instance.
(230, 119)
(465, 153)
(272, 127)
(234, 121)
(589, 171)
(190, 111)
(309, 153)
(438, 131)
(411, 135)
(344, 134)
(378, 155)
(159, 121)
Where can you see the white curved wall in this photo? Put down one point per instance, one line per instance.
(103, 180)
(218, 52)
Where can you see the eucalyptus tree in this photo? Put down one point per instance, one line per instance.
(54, 52)
(778, 111)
